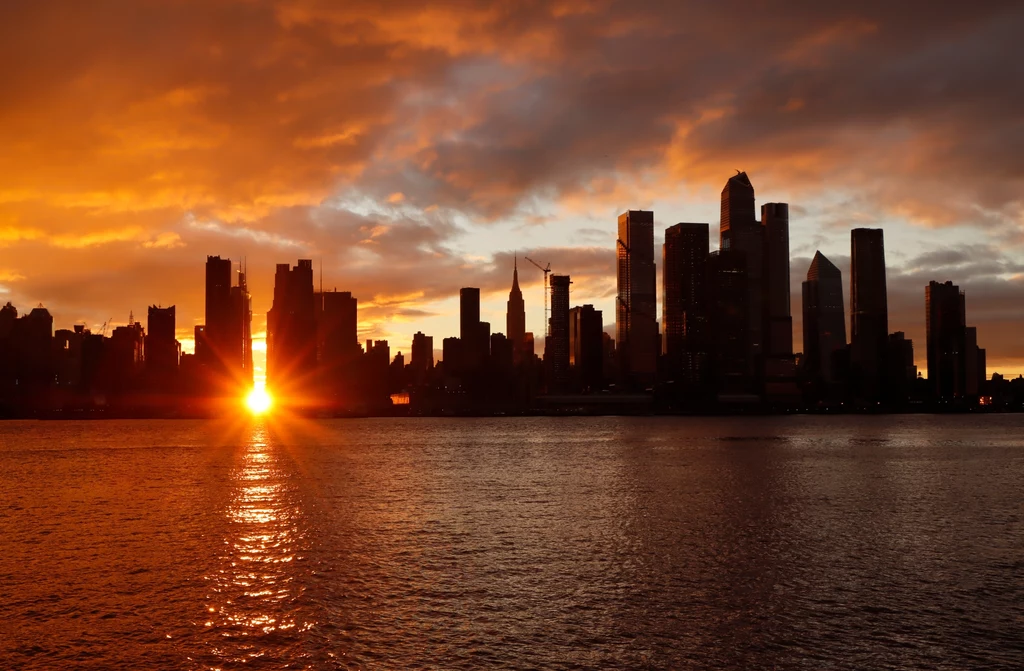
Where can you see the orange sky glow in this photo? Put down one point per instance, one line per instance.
(413, 148)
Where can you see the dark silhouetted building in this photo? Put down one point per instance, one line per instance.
(974, 365)
(956, 366)
(824, 321)
(869, 313)
(741, 234)
(422, 356)
(227, 352)
(338, 350)
(472, 345)
(636, 325)
(337, 320)
(586, 347)
(32, 341)
(219, 352)
(67, 347)
(8, 355)
(292, 333)
(501, 358)
(556, 346)
(469, 312)
(483, 342)
(778, 322)
(162, 349)
(685, 302)
(126, 357)
(451, 357)
(902, 372)
(610, 357)
(515, 316)
(241, 333)
(200, 349)
(730, 332)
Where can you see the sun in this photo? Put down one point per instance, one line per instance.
(258, 401)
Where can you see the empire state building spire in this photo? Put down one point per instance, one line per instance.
(515, 316)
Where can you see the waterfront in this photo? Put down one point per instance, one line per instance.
(770, 542)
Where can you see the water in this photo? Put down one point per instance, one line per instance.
(761, 543)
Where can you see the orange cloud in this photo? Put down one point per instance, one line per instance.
(139, 137)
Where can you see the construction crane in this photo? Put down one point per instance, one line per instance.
(547, 317)
(106, 324)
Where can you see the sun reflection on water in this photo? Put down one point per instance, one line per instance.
(254, 591)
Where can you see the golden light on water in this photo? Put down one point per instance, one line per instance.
(258, 401)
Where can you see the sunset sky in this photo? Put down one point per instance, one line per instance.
(413, 147)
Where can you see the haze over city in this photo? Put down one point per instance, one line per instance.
(414, 151)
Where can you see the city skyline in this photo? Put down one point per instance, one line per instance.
(226, 291)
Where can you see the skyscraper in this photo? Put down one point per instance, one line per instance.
(451, 356)
(824, 319)
(337, 324)
(556, 347)
(685, 297)
(946, 331)
(901, 371)
(974, 368)
(515, 316)
(338, 350)
(869, 312)
(586, 346)
(778, 329)
(32, 336)
(291, 330)
(472, 345)
(469, 312)
(779, 365)
(636, 327)
(422, 355)
(161, 348)
(741, 234)
(241, 331)
(730, 333)
(220, 352)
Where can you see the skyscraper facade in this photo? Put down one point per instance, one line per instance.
(740, 233)
(515, 316)
(586, 347)
(161, 347)
(869, 312)
(291, 330)
(974, 367)
(778, 322)
(337, 348)
(219, 313)
(731, 349)
(422, 354)
(556, 347)
(824, 320)
(241, 308)
(469, 312)
(778, 368)
(636, 327)
(901, 372)
(473, 341)
(946, 332)
(685, 298)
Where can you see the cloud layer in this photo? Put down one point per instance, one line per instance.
(413, 146)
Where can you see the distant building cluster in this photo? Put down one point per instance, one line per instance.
(724, 342)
